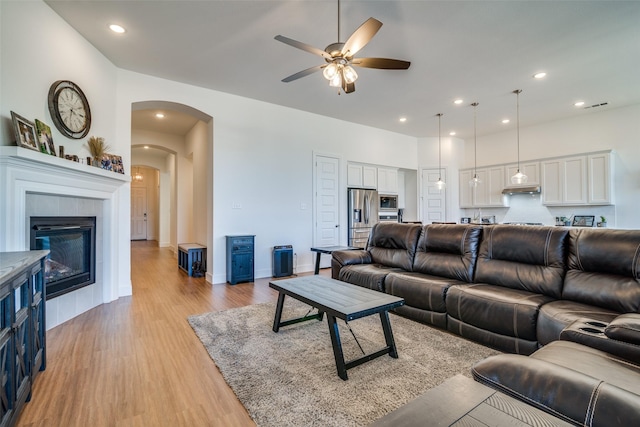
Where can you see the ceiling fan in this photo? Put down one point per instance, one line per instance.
(339, 57)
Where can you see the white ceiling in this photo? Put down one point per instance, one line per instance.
(476, 50)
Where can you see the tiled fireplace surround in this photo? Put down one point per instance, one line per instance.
(34, 184)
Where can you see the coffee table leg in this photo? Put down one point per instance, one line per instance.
(278, 316)
(337, 347)
(388, 335)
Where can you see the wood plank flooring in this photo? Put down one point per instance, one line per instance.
(136, 361)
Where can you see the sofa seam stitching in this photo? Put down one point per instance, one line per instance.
(522, 396)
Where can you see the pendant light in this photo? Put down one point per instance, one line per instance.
(519, 177)
(138, 177)
(440, 184)
(473, 182)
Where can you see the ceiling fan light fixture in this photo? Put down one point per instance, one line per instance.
(336, 80)
(330, 71)
(350, 75)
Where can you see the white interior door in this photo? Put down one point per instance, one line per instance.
(138, 213)
(433, 200)
(327, 203)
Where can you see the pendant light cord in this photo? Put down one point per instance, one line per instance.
(439, 148)
(517, 92)
(475, 141)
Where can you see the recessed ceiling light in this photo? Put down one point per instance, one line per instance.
(146, 147)
(505, 121)
(403, 119)
(458, 101)
(117, 28)
(540, 75)
(159, 115)
(452, 133)
(579, 104)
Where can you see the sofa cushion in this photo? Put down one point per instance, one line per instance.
(604, 269)
(528, 258)
(448, 251)
(557, 315)
(569, 380)
(421, 291)
(366, 275)
(394, 245)
(505, 311)
(491, 339)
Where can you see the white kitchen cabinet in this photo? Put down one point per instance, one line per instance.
(531, 169)
(564, 181)
(387, 181)
(354, 175)
(600, 184)
(361, 176)
(369, 177)
(488, 193)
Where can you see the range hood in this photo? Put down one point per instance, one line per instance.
(531, 189)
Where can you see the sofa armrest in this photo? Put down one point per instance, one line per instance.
(341, 258)
(600, 336)
(625, 327)
(563, 392)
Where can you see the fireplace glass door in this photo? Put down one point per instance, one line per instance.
(70, 264)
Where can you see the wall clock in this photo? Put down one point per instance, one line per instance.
(69, 109)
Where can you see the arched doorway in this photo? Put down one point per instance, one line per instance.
(179, 146)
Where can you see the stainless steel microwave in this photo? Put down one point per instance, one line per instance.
(388, 202)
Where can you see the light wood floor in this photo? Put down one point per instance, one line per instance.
(136, 361)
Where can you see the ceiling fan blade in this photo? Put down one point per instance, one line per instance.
(303, 46)
(361, 37)
(303, 73)
(383, 63)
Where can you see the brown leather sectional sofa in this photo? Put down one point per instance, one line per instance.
(569, 298)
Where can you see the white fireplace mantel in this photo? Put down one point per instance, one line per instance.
(24, 171)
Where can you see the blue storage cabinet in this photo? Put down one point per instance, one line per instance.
(240, 255)
(188, 253)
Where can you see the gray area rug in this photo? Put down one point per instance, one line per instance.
(290, 378)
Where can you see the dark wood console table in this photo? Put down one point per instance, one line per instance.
(22, 329)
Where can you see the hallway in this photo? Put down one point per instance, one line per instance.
(136, 361)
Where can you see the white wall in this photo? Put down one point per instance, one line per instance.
(198, 148)
(613, 128)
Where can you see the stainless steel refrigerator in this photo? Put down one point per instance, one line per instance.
(363, 214)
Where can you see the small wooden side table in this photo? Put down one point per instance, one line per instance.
(327, 250)
(188, 253)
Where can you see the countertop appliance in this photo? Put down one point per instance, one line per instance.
(363, 215)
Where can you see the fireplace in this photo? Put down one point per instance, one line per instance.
(71, 263)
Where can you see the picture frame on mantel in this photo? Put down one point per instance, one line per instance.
(25, 131)
(45, 139)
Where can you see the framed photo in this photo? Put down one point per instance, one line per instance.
(106, 162)
(465, 220)
(45, 139)
(25, 132)
(583, 220)
(116, 164)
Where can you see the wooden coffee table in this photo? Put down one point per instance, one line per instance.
(338, 300)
